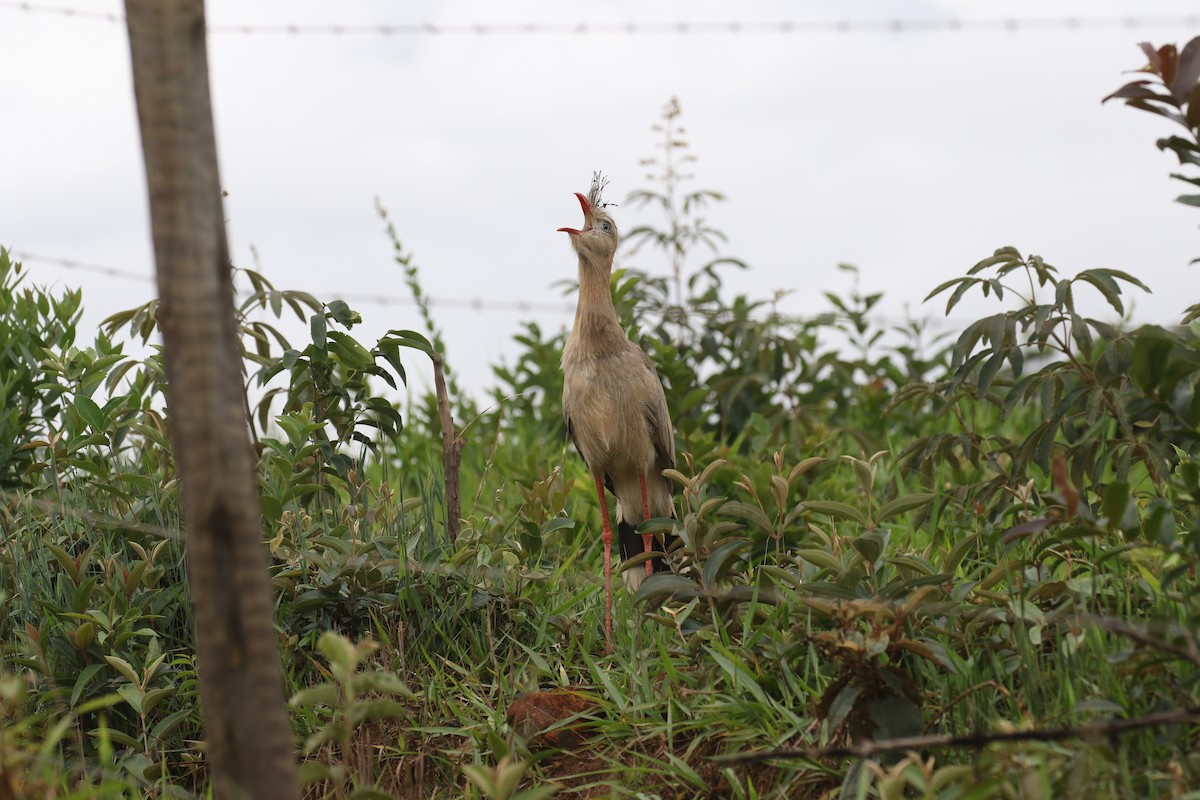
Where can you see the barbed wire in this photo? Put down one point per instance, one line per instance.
(846, 26)
(371, 298)
(466, 303)
(81, 266)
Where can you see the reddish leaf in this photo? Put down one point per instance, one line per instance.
(1169, 113)
(1062, 482)
(1189, 71)
(1168, 58)
(1026, 529)
(1140, 90)
(1152, 54)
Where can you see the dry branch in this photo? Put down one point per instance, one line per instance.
(869, 748)
(1190, 653)
(452, 445)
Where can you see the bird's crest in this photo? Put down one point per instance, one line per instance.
(599, 181)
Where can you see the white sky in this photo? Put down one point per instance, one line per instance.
(910, 155)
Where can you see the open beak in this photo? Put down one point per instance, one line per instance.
(587, 216)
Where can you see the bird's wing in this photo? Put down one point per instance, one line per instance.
(658, 418)
(566, 408)
(608, 483)
(571, 433)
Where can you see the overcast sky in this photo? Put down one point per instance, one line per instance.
(911, 155)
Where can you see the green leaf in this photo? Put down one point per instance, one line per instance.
(747, 512)
(803, 467)
(965, 346)
(169, 723)
(988, 372)
(338, 309)
(314, 772)
(998, 327)
(833, 508)
(319, 331)
(154, 696)
(1082, 334)
(482, 777)
(899, 505)
(64, 559)
(1159, 524)
(124, 667)
(1025, 529)
(340, 651)
(81, 683)
(752, 594)
(822, 559)
(869, 545)
(558, 524)
(132, 695)
(664, 586)
(1107, 286)
(97, 703)
(325, 694)
(90, 412)
(349, 350)
(370, 793)
(1114, 502)
(958, 552)
(120, 737)
(788, 577)
(944, 286)
(740, 676)
(1098, 705)
(410, 339)
(895, 717)
(721, 560)
(380, 681)
(843, 704)
(912, 562)
(1004, 256)
(779, 489)
(966, 284)
(365, 710)
(1016, 359)
(864, 473)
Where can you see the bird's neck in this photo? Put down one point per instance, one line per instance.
(595, 316)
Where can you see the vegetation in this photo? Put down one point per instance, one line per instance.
(991, 534)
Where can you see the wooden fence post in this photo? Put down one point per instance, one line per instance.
(247, 731)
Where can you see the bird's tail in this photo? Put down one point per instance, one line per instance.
(632, 545)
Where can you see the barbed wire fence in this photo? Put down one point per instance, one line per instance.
(812, 27)
(827, 26)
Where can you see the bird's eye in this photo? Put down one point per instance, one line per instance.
(606, 227)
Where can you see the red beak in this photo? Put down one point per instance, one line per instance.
(587, 216)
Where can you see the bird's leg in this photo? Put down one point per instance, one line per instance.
(607, 538)
(647, 538)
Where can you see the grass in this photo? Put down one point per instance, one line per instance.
(686, 685)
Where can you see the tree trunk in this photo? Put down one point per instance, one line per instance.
(247, 731)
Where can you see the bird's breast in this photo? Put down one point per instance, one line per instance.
(603, 398)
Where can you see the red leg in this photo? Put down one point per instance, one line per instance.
(607, 538)
(647, 538)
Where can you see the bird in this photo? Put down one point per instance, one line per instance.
(613, 403)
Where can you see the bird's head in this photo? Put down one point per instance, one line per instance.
(597, 240)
